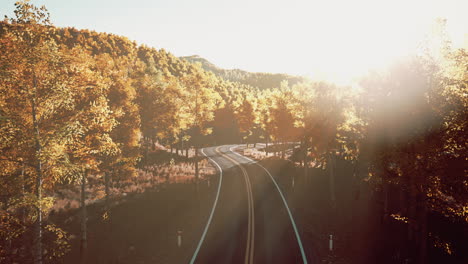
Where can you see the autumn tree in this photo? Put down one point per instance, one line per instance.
(283, 116)
(413, 140)
(121, 96)
(40, 83)
(198, 104)
(246, 117)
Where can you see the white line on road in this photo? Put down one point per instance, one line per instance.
(249, 251)
(304, 258)
(212, 210)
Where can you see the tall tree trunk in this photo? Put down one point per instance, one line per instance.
(107, 180)
(385, 193)
(107, 188)
(107, 184)
(23, 193)
(196, 164)
(266, 146)
(283, 149)
(423, 229)
(276, 148)
(331, 167)
(354, 203)
(84, 242)
(186, 152)
(37, 241)
(38, 224)
(305, 160)
(147, 161)
(423, 233)
(412, 211)
(333, 214)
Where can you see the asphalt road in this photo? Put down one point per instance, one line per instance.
(250, 221)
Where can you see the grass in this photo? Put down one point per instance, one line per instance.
(161, 167)
(161, 198)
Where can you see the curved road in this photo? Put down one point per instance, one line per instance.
(250, 221)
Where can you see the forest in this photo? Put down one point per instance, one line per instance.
(82, 110)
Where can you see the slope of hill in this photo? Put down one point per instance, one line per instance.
(256, 79)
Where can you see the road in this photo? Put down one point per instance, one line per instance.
(250, 221)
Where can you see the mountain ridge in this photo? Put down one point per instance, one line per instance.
(261, 80)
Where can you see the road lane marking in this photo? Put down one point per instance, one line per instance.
(212, 210)
(249, 251)
(252, 239)
(304, 258)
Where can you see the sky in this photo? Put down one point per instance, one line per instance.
(327, 39)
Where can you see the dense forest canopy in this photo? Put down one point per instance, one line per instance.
(77, 100)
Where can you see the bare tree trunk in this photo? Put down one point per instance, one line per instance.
(84, 240)
(276, 149)
(403, 203)
(38, 224)
(107, 179)
(423, 230)
(37, 241)
(412, 209)
(107, 184)
(423, 233)
(333, 214)
(283, 150)
(196, 164)
(331, 165)
(23, 193)
(305, 160)
(353, 232)
(146, 161)
(385, 188)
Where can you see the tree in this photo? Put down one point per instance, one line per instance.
(284, 117)
(90, 143)
(121, 97)
(225, 126)
(246, 118)
(199, 101)
(38, 90)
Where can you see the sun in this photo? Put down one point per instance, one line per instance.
(342, 41)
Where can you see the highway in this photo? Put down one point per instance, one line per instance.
(250, 221)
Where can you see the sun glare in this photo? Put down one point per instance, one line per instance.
(341, 40)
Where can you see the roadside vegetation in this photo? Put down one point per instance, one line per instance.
(88, 117)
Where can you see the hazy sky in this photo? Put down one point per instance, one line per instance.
(332, 38)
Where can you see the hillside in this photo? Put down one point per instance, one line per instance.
(256, 79)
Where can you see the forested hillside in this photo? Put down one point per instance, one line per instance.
(258, 79)
(77, 103)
